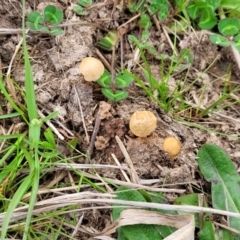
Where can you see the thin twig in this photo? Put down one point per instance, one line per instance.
(54, 129)
(118, 163)
(81, 111)
(94, 134)
(134, 176)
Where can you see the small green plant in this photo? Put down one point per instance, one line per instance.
(114, 90)
(51, 16)
(158, 7)
(204, 12)
(141, 231)
(109, 41)
(230, 30)
(80, 8)
(218, 169)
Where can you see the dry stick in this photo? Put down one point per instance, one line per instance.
(236, 55)
(130, 20)
(135, 185)
(112, 65)
(77, 226)
(228, 228)
(87, 197)
(103, 59)
(8, 133)
(118, 163)
(134, 176)
(94, 134)
(81, 111)
(8, 80)
(170, 41)
(201, 201)
(60, 136)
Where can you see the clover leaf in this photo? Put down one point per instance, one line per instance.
(219, 40)
(105, 80)
(114, 96)
(53, 15)
(123, 80)
(229, 26)
(35, 21)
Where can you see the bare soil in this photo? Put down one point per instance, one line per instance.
(59, 86)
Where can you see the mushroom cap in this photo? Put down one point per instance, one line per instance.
(172, 146)
(143, 123)
(91, 68)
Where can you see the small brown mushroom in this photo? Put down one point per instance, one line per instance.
(91, 68)
(143, 123)
(172, 146)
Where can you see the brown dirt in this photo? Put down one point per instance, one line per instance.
(55, 63)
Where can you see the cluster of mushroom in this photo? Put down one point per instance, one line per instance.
(143, 123)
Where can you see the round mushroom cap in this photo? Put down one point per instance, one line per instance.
(91, 68)
(172, 146)
(143, 123)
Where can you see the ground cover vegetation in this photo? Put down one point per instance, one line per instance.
(147, 150)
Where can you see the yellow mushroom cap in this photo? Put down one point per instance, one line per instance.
(91, 68)
(142, 123)
(172, 146)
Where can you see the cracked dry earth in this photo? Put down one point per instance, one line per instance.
(59, 86)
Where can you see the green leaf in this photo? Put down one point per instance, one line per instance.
(214, 4)
(163, 230)
(85, 3)
(153, 7)
(35, 21)
(219, 40)
(163, 13)
(190, 199)
(237, 38)
(236, 45)
(128, 194)
(48, 134)
(109, 42)
(208, 231)
(105, 80)
(224, 234)
(218, 169)
(137, 231)
(79, 10)
(208, 19)
(53, 14)
(56, 31)
(229, 26)
(145, 21)
(117, 96)
(72, 144)
(123, 80)
(236, 42)
(135, 6)
(192, 10)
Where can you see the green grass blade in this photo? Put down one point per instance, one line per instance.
(35, 185)
(14, 202)
(29, 84)
(12, 149)
(218, 169)
(9, 99)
